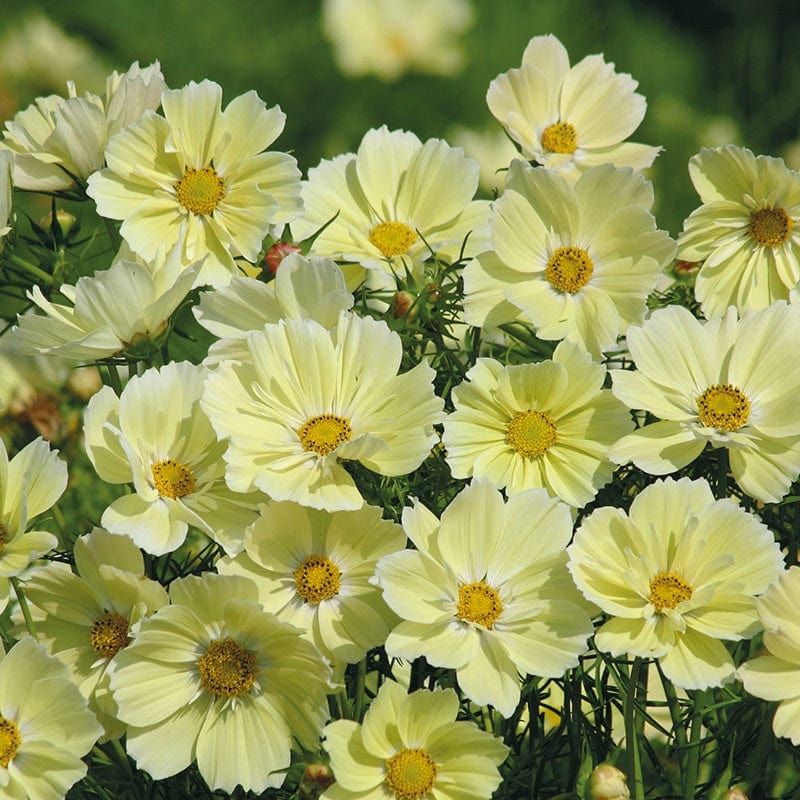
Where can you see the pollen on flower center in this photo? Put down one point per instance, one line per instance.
(478, 602)
(531, 433)
(770, 226)
(410, 773)
(3, 536)
(724, 407)
(200, 190)
(392, 238)
(560, 137)
(227, 669)
(317, 579)
(109, 634)
(569, 269)
(172, 479)
(323, 434)
(667, 590)
(10, 740)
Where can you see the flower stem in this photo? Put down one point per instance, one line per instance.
(358, 700)
(635, 779)
(24, 607)
(691, 765)
(37, 273)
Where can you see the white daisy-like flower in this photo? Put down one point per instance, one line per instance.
(59, 142)
(336, 395)
(546, 425)
(411, 746)
(86, 619)
(45, 726)
(776, 677)
(114, 311)
(304, 288)
(678, 575)
(390, 37)
(393, 204)
(214, 678)
(312, 569)
(578, 261)
(156, 436)
(723, 383)
(202, 174)
(30, 483)
(570, 118)
(746, 233)
(487, 592)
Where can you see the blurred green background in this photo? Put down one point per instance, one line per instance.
(714, 71)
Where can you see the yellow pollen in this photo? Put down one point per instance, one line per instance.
(317, 579)
(724, 407)
(3, 536)
(770, 226)
(323, 434)
(667, 590)
(200, 190)
(478, 602)
(227, 669)
(410, 773)
(109, 634)
(560, 137)
(531, 433)
(392, 238)
(172, 479)
(569, 269)
(10, 740)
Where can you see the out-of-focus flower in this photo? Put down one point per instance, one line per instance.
(607, 782)
(723, 382)
(578, 261)
(493, 151)
(746, 232)
(411, 746)
(212, 673)
(390, 37)
(59, 142)
(678, 575)
(570, 118)
(486, 592)
(336, 395)
(546, 425)
(6, 170)
(200, 175)
(156, 436)
(394, 204)
(45, 726)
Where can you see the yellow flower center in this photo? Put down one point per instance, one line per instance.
(392, 238)
(531, 433)
(667, 590)
(770, 226)
(109, 634)
(560, 137)
(317, 579)
(323, 434)
(724, 407)
(227, 669)
(569, 269)
(478, 602)
(172, 479)
(10, 740)
(3, 536)
(200, 190)
(410, 773)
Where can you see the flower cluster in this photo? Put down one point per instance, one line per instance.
(366, 419)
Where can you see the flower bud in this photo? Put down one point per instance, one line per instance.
(277, 253)
(63, 224)
(608, 783)
(734, 793)
(403, 305)
(316, 779)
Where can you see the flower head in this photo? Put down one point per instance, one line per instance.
(570, 118)
(678, 574)
(411, 747)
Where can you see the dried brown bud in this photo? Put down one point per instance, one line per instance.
(277, 253)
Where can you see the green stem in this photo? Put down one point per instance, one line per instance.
(635, 779)
(113, 234)
(38, 273)
(722, 473)
(359, 699)
(691, 765)
(110, 376)
(24, 607)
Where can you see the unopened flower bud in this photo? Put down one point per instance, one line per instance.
(277, 253)
(403, 305)
(433, 290)
(316, 779)
(685, 269)
(64, 222)
(608, 783)
(734, 793)
(83, 382)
